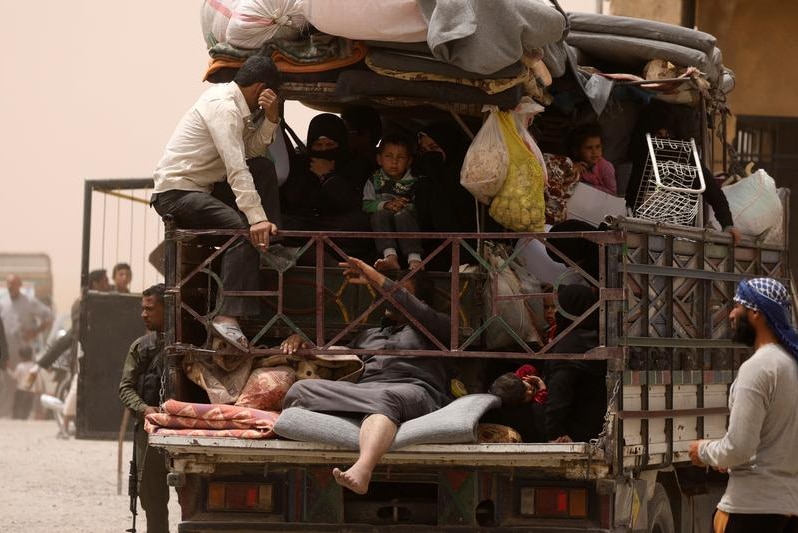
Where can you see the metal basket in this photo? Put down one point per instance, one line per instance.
(667, 190)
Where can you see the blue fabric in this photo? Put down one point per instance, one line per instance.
(772, 299)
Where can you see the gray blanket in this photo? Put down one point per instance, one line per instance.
(453, 424)
(645, 29)
(460, 31)
(633, 52)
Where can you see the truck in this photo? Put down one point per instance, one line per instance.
(665, 292)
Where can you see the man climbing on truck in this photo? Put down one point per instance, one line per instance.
(220, 142)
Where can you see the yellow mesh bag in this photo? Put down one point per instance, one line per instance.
(520, 205)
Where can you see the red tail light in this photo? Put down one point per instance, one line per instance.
(553, 502)
(240, 497)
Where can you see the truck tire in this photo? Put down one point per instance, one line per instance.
(660, 516)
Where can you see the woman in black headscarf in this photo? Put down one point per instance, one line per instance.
(577, 389)
(442, 204)
(321, 192)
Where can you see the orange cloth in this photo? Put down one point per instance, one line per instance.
(284, 64)
(214, 65)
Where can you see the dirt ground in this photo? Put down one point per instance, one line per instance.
(70, 486)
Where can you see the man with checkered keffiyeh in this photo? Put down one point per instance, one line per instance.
(760, 448)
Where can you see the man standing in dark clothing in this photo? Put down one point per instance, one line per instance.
(392, 389)
(577, 398)
(139, 391)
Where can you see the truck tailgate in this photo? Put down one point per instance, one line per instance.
(227, 450)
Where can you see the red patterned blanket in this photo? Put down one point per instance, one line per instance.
(211, 420)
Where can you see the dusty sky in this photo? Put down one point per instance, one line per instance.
(92, 89)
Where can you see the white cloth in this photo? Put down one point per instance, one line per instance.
(71, 400)
(759, 448)
(24, 313)
(215, 138)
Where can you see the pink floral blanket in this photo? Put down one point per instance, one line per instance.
(211, 420)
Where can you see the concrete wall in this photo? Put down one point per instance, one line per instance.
(669, 11)
(760, 44)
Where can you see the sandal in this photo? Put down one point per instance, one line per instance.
(232, 334)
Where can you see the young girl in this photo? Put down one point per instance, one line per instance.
(586, 150)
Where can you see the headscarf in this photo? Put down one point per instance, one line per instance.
(527, 370)
(332, 127)
(575, 300)
(451, 138)
(772, 299)
(581, 251)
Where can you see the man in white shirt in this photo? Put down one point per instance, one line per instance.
(24, 319)
(759, 448)
(217, 145)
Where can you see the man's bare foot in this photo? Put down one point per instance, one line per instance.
(388, 263)
(353, 479)
(415, 264)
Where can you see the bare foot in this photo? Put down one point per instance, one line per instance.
(388, 263)
(415, 264)
(353, 479)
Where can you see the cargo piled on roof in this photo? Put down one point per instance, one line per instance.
(433, 51)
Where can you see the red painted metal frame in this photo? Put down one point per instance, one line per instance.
(456, 347)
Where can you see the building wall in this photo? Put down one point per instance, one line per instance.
(759, 41)
(669, 11)
(760, 44)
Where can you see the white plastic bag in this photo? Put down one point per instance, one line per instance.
(776, 233)
(256, 21)
(523, 114)
(754, 203)
(514, 312)
(373, 20)
(487, 160)
(214, 18)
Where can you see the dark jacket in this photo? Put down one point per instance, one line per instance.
(337, 193)
(577, 388)
(144, 355)
(431, 373)
(306, 195)
(3, 345)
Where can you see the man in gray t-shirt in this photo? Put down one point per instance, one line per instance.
(392, 389)
(760, 448)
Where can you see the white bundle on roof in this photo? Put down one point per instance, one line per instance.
(256, 21)
(215, 18)
(375, 20)
(250, 23)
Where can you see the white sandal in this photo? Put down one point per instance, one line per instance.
(232, 334)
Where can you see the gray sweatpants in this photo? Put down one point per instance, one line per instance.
(397, 401)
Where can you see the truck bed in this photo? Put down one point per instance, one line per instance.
(189, 450)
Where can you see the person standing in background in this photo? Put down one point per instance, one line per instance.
(24, 318)
(139, 390)
(121, 275)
